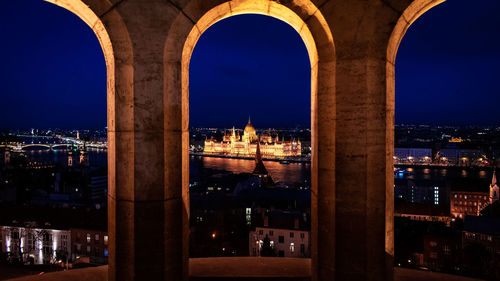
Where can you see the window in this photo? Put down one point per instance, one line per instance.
(302, 249)
(302, 235)
(78, 247)
(261, 232)
(106, 252)
(47, 237)
(281, 239)
(88, 249)
(447, 249)
(271, 232)
(15, 234)
(105, 239)
(291, 234)
(88, 237)
(47, 250)
(97, 237)
(292, 247)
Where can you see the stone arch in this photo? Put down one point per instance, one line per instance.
(196, 17)
(407, 18)
(113, 36)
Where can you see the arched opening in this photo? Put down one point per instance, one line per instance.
(109, 27)
(249, 86)
(443, 149)
(59, 83)
(412, 13)
(313, 32)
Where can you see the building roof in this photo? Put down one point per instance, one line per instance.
(482, 224)
(53, 218)
(260, 169)
(421, 209)
(492, 210)
(249, 127)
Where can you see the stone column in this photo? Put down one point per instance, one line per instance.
(145, 202)
(363, 138)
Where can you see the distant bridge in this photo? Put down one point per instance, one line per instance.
(20, 146)
(51, 146)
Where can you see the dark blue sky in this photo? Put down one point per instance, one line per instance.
(448, 65)
(52, 71)
(240, 69)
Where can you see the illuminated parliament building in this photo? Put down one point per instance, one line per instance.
(233, 144)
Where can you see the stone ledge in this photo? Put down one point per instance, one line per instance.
(243, 269)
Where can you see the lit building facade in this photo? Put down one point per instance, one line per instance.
(246, 146)
(467, 203)
(290, 243)
(494, 189)
(35, 245)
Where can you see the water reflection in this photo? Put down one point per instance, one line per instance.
(287, 173)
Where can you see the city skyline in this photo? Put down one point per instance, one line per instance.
(440, 77)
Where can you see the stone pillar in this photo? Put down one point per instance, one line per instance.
(145, 202)
(363, 138)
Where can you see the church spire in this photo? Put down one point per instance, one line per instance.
(494, 189)
(260, 170)
(494, 178)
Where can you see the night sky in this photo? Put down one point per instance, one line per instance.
(52, 71)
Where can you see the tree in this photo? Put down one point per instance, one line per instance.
(30, 236)
(267, 250)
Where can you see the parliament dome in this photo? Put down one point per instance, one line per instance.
(249, 128)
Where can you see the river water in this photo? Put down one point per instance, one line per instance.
(292, 173)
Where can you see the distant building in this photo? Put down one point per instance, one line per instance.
(442, 250)
(288, 233)
(246, 146)
(4, 156)
(290, 243)
(99, 188)
(34, 244)
(467, 203)
(461, 157)
(412, 155)
(472, 203)
(494, 190)
(422, 212)
(89, 246)
(421, 191)
(70, 158)
(481, 246)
